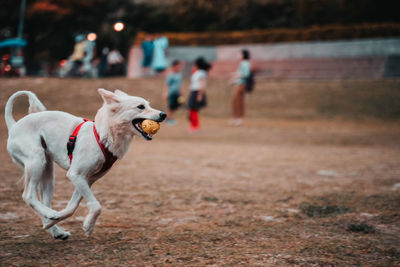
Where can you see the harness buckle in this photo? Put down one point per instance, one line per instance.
(72, 140)
(71, 144)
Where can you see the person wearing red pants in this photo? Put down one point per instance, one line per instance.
(197, 97)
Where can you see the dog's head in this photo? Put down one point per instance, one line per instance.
(128, 112)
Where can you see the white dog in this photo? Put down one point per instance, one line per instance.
(40, 138)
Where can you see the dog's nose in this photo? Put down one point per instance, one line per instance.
(163, 116)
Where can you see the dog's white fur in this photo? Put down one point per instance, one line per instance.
(39, 139)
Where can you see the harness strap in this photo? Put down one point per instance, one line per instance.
(72, 140)
(109, 157)
(96, 135)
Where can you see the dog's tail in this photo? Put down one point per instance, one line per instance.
(34, 106)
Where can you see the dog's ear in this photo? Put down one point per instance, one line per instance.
(108, 97)
(120, 93)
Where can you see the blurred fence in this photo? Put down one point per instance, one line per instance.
(281, 35)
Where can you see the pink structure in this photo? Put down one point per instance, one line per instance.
(352, 59)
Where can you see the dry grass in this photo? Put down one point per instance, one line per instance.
(291, 187)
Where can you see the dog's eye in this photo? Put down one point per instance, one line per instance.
(140, 107)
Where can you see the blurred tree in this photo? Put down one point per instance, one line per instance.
(52, 24)
(217, 15)
(320, 12)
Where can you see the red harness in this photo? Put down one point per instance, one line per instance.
(110, 158)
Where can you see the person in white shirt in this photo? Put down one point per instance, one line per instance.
(115, 63)
(197, 97)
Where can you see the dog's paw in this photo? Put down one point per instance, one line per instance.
(88, 227)
(90, 221)
(59, 233)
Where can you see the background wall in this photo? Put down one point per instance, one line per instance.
(365, 59)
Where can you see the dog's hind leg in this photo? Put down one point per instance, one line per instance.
(34, 171)
(46, 189)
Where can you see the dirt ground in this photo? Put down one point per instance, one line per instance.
(311, 179)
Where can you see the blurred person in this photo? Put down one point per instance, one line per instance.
(171, 90)
(197, 97)
(115, 62)
(6, 69)
(102, 67)
(74, 63)
(17, 62)
(159, 61)
(87, 61)
(147, 48)
(241, 79)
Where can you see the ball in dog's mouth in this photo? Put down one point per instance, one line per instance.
(146, 127)
(150, 127)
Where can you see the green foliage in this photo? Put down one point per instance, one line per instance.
(218, 15)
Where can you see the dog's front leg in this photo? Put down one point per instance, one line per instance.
(73, 204)
(81, 185)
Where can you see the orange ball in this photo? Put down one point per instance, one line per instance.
(150, 127)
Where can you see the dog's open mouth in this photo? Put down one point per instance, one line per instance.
(137, 123)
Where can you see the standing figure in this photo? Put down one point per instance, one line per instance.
(115, 64)
(159, 63)
(102, 67)
(242, 75)
(147, 48)
(197, 97)
(172, 90)
(87, 60)
(74, 63)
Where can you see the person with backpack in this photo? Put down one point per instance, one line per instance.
(244, 82)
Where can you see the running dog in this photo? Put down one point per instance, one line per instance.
(84, 148)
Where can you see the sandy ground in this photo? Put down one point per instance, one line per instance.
(278, 191)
